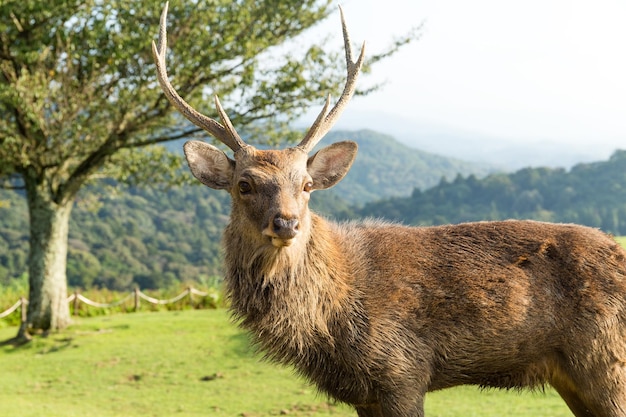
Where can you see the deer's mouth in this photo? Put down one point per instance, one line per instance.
(278, 242)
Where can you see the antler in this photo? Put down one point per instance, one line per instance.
(326, 119)
(225, 133)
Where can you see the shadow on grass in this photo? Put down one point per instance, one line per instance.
(58, 345)
(17, 341)
(44, 341)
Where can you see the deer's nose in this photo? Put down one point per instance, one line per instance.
(285, 228)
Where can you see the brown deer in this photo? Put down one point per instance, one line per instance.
(378, 314)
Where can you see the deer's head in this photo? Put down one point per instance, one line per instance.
(270, 189)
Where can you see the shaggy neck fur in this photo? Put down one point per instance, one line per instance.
(289, 297)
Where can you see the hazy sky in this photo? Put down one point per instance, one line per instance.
(527, 70)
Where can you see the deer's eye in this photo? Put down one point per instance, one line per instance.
(244, 187)
(308, 186)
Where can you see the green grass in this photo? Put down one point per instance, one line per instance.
(189, 363)
(472, 402)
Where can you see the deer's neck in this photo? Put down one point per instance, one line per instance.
(290, 297)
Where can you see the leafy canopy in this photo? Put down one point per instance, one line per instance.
(78, 90)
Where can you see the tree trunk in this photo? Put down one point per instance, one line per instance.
(49, 222)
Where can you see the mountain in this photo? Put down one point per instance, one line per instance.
(385, 167)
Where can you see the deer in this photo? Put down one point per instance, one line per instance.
(377, 314)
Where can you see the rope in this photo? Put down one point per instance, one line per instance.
(198, 292)
(103, 305)
(156, 301)
(11, 310)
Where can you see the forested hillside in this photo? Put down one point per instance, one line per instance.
(148, 237)
(593, 194)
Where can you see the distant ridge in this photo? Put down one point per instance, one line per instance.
(384, 167)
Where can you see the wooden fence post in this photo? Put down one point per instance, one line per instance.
(76, 302)
(23, 309)
(136, 298)
(190, 293)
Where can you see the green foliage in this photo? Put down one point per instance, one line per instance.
(10, 292)
(191, 363)
(151, 238)
(592, 194)
(78, 90)
(13, 238)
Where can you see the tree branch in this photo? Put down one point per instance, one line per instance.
(162, 139)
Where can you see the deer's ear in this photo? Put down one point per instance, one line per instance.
(330, 164)
(210, 165)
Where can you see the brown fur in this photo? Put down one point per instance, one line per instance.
(378, 314)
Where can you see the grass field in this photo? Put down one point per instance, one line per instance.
(189, 363)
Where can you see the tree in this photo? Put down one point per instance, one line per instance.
(79, 101)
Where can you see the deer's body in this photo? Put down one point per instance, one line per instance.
(377, 314)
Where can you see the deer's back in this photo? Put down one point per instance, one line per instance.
(490, 298)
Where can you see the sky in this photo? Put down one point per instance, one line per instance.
(523, 73)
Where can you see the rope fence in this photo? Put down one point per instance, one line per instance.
(137, 296)
(22, 302)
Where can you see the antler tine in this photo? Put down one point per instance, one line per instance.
(326, 119)
(226, 133)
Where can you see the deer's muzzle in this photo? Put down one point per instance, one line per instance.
(286, 229)
(282, 230)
